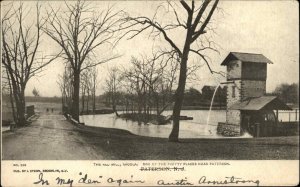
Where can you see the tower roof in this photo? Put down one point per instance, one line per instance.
(246, 57)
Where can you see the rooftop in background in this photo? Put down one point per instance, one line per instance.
(261, 103)
(246, 57)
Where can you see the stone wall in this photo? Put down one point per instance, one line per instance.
(233, 117)
(230, 99)
(226, 129)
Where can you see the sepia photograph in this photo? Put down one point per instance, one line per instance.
(150, 81)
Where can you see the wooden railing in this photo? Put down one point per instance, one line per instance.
(288, 116)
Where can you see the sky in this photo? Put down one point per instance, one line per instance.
(267, 27)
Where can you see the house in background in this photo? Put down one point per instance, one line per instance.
(249, 109)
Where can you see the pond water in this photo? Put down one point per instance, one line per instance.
(195, 128)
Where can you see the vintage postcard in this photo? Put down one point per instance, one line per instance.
(150, 93)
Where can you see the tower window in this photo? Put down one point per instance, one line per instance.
(233, 91)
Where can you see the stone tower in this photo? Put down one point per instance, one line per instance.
(246, 79)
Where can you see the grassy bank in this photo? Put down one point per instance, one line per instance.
(121, 144)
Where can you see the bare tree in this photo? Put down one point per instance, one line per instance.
(88, 91)
(65, 83)
(35, 92)
(87, 81)
(136, 82)
(163, 88)
(88, 86)
(83, 91)
(79, 30)
(94, 75)
(20, 56)
(7, 91)
(150, 81)
(194, 23)
(112, 83)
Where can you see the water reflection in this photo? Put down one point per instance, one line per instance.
(195, 128)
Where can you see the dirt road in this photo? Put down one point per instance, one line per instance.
(50, 137)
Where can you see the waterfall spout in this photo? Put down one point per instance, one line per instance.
(211, 104)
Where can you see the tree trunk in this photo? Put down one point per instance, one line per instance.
(62, 104)
(132, 108)
(94, 103)
(75, 99)
(113, 101)
(19, 97)
(87, 101)
(114, 108)
(157, 104)
(11, 97)
(126, 106)
(82, 99)
(179, 95)
(20, 104)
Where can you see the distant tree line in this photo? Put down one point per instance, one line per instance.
(193, 97)
(288, 93)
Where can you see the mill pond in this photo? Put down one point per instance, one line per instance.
(196, 128)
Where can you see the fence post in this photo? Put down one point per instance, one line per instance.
(289, 117)
(296, 114)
